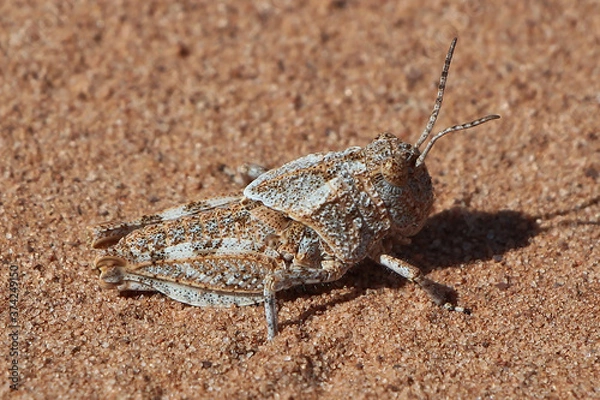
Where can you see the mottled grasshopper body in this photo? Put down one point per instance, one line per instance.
(306, 222)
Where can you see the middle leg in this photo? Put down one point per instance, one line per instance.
(329, 270)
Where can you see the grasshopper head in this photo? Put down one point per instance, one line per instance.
(399, 174)
(404, 186)
(398, 169)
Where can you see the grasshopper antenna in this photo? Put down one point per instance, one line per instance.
(436, 110)
(454, 128)
(440, 96)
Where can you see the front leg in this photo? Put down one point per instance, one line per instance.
(438, 293)
(330, 270)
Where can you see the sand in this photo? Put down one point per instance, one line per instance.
(118, 109)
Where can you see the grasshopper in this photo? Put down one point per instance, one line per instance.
(306, 222)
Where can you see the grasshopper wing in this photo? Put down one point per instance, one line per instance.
(109, 233)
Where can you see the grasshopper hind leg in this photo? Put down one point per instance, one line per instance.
(115, 275)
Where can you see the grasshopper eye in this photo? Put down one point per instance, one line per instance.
(395, 171)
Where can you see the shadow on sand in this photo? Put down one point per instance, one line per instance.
(448, 239)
